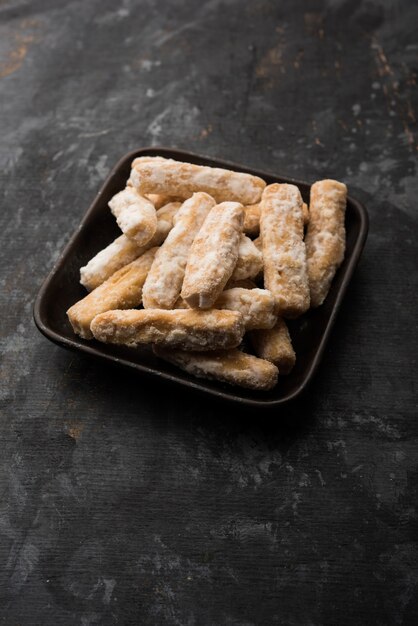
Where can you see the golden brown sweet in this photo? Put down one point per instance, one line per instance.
(275, 345)
(252, 220)
(255, 305)
(229, 366)
(250, 260)
(325, 239)
(187, 329)
(124, 250)
(281, 228)
(135, 215)
(183, 179)
(164, 281)
(123, 290)
(213, 255)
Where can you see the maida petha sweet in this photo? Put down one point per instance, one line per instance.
(213, 255)
(187, 329)
(252, 218)
(325, 239)
(257, 306)
(230, 366)
(183, 179)
(281, 229)
(274, 344)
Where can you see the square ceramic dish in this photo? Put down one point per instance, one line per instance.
(98, 228)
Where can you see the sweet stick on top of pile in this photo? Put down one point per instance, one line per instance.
(206, 256)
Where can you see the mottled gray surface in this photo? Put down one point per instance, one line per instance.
(127, 504)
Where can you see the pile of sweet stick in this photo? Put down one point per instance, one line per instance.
(206, 256)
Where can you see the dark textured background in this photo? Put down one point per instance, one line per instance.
(124, 503)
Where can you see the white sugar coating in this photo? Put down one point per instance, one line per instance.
(182, 179)
(246, 246)
(291, 252)
(124, 198)
(213, 255)
(123, 250)
(103, 257)
(145, 159)
(323, 240)
(135, 215)
(97, 269)
(164, 281)
(281, 228)
(130, 218)
(250, 260)
(257, 306)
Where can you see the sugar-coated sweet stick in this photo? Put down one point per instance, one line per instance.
(325, 239)
(275, 345)
(135, 215)
(175, 177)
(281, 229)
(124, 250)
(157, 199)
(250, 260)
(255, 305)
(164, 281)
(123, 290)
(181, 328)
(213, 255)
(252, 219)
(229, 366)
(145, 159)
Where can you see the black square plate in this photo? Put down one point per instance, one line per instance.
(98, 228)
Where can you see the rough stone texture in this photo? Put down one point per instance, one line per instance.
(128, 502)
